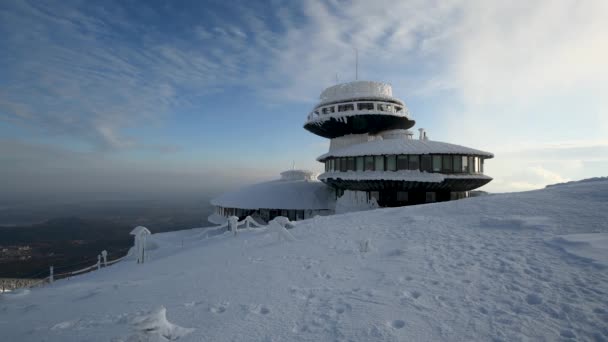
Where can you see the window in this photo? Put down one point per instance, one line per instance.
(398, 109)
(480, 165)
(465, 164)
(414, 164)
(402, 162)
(447, 164)
(365, 106)
(402, 196)
(328, 110)
(427, 163)
(385, 107)
(369, 163)
(436, 163)
(360, 163)
(430, 197)
(326, 165)
(350, 164)
(379, 163)
(457, 164)
(346, 107)
(337, 164)
(343, 165)
(391, 163)
(316, 112)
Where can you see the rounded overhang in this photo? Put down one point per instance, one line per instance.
(334, 127)
(380, 147)
(403, 180)
(296, 190)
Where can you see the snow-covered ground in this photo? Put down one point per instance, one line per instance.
(507, 267)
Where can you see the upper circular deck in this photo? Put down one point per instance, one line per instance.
(357, 107)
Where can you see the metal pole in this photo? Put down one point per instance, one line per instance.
(51, 278)
(356, 64)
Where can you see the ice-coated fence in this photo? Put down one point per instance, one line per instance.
(279, 225)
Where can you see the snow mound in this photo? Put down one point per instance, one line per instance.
(592, 247)
(489, 268)
(154, 326)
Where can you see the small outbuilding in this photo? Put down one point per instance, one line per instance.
(297, 195)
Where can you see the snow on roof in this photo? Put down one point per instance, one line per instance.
(358, 89)
(402, 175)
(402, 146)
(293, 191)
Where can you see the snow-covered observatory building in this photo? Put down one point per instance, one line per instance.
(373, 157)
(372, 151)
(297, 195)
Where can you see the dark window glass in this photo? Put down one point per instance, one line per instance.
(414, 163)
(465, 164)
(326, 165)
(447, 163)
(436, 163)
(427, 163)
(430, 197)
(343, 164)
(379, 163)
(350, 164)
(365, 106)
(402, 196)
(471, 164)
(346, 107)
(457, 164)
(337, 164)
(402, 162)
(369, 163)
(481, 165)
(360, 163)
(391, 163)
(398, 109)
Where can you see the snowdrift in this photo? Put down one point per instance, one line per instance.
(505, 267)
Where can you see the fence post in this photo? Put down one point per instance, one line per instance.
(104, 254)
(51, 278)
(98, 261)
(247, 221)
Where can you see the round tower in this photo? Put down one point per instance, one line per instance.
(358, 107)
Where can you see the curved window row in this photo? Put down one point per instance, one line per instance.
(441, 163)
(358, 106)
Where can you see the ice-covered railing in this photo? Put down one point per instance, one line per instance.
(31, 281)
(279, 224)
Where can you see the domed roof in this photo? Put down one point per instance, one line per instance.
(358, 89)
(297, 189)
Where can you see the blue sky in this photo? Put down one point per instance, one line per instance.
(169, 96)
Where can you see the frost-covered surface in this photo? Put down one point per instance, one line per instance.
(403, 175)
(279, 194)
(478, 269)
(352, 201)
(402, 146)
(357, 89)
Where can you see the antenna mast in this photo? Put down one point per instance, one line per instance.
(356, 64)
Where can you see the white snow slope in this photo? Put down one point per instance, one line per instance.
(480, 269)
